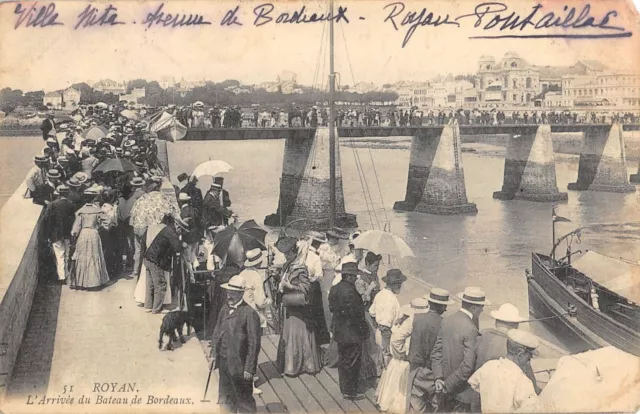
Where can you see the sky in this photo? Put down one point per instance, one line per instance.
(368, 50)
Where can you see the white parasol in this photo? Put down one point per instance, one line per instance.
(211, 168)
(382, 242)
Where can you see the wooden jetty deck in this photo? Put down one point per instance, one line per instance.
(318, 393)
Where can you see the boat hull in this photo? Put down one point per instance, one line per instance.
(549, 297)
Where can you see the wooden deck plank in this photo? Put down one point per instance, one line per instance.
(326, 401)
(332, 388)
(280, 387)
(270, 400)
(367, 405)
(299, 389)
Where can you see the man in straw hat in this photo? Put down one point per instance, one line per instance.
(426, 327)
(36, 179)
(255, 295)
(350, 329)
(454, 353)
(492, 343)
(502, 383)
(57, 224)
(235, 347)
(385, 310)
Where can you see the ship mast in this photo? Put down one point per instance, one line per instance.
(332, 121)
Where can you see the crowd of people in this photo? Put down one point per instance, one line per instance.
(338, 313)
(197, 116)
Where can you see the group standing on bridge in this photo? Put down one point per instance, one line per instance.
(311, 116)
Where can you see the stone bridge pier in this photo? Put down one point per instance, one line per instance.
(635, 178)
(305, 186)
(435, 183)
(603, 164)
(529, 167)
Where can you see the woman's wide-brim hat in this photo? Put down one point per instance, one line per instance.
(237, 283)
(317, 236)
(254, 257)
(440, 296)
(473, 295)
(394, 277)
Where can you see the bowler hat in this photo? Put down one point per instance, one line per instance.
(438, 295)
(237, 283)
(473, 295)
(350, 268)
(394, 277)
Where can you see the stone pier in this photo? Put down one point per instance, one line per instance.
(529, 167)
(602, 161)
(435, 183)
(635, 178)
(304, 186)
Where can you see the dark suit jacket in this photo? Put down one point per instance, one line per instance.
(46, 127)
(58, 219)
(242, 329)
(349, 323)
(426, 327)
(454, 355)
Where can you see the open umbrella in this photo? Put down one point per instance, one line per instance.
(382, 242)
(129, 114)
(151, 208)
(95, 133)
(211, 168)
(115, 164)
(234, 241)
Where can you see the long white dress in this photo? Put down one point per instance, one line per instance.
(140, 292)
(391, 393)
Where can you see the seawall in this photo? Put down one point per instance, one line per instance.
(20, 221)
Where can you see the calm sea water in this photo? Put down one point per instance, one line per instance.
(491, 249)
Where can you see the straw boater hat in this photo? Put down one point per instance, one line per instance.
(184, 197)
(473, 295)
(73, 182)
(39, 159)
(419, 305)
(52, 140)
(236, 283)
(82, 177)
(62, 189)
(136, 182)
(438, 295)
(524, 339)
(507, 313)
(254, 257)
(394, 277)
(53, 173)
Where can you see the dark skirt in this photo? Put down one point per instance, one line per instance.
(298, 352)
(316, 314)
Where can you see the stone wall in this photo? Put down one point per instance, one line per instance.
(19, 226)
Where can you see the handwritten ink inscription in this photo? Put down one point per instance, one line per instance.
(493, 20)
(36, 16)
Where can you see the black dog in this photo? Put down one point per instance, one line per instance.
(172, 322)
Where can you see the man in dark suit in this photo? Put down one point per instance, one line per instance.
(213, 211)
(226, 200)
(47, 126)
(58, 221)
(235, 348)
(426, 327)
(453, 358)
(350, 329)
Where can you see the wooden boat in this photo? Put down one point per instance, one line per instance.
(594, 300)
